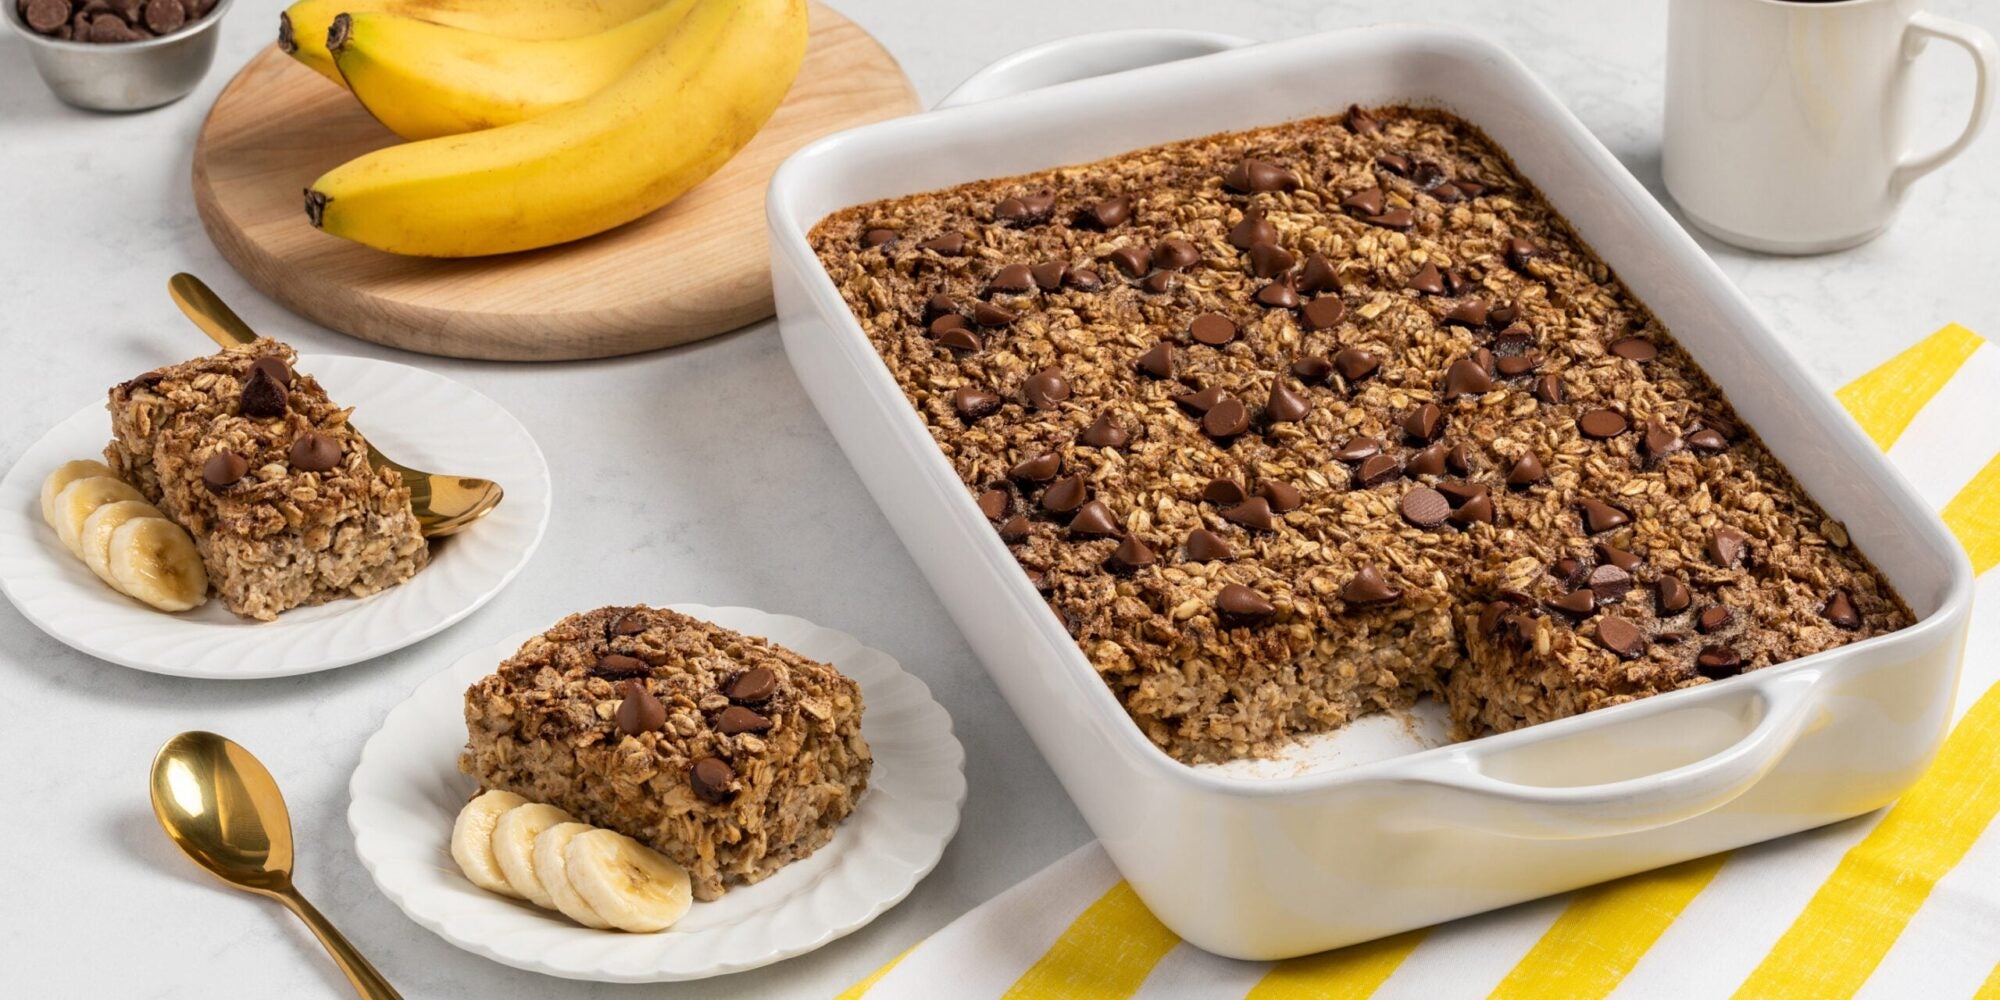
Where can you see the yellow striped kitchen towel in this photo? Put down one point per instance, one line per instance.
(1903, 902)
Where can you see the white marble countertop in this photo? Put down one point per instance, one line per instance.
(694, 474)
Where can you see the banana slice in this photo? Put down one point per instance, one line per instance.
(80, 499)
(514, 847)
(95, 538)
(65, 474)
(472, 840)
(553, 871)
(153, 560)
(630, 885)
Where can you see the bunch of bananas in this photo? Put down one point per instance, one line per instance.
(535, 123)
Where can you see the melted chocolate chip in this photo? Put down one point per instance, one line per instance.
(1369, 586)
(710, 779)
(754, 685)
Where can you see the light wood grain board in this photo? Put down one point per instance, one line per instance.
(698, 267)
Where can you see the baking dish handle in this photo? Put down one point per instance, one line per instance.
(1082, 56)
(1786, 707)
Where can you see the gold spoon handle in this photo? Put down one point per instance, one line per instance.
(208, 311)
(366, 981)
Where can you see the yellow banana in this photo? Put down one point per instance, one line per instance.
(424, 80)
(680, 113)
(302, 27)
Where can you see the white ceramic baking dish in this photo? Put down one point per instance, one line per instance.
(1365, 832)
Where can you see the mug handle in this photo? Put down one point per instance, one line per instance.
(1979, 45)
(1081, 56)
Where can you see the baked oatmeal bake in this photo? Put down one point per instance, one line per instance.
(266, 474)
(729, 754)
(1302, 423)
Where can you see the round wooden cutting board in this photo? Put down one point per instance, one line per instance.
(696, 268)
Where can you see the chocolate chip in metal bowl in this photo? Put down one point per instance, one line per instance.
(119, 56)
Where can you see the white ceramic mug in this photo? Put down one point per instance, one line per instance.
(1788, 121)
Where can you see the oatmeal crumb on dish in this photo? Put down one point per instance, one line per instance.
(1301, 423)
(727, 753)
(266, 474)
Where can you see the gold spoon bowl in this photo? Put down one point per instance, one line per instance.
(443, 504)
(223, 809)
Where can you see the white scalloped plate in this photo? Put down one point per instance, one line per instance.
(420, 418)
(408, 789)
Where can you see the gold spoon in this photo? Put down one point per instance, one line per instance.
(444, 505)
(223, 810)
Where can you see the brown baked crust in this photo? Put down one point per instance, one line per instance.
(1206, 687)
(544, 726)
(281, 537)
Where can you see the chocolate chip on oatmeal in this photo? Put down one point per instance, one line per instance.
(314, 452)
(1355, 364)
(1213, 329)
(1324, 312)
(1549, 389)
(1268, 260)
(1478, 510)
(1011, 279)
(939, 305)
(1039, 469)
(1203, 401)
(1223, 492)
(960, 337)
(1132, 554)
(948, 323)
(1226, 419)
(1609, 583)
(1278, 295)
(993, 504)
(1356, 449)
(1425, 507)
(1527, 470)
(1514, 365)
(1428, 461)
(974, 403)
(1714, 618)
(1046, 389)
(1661, 440)
(1428, 280)
(626, 626)
(618, 666)
(1395, 163)
(1254, 229)
(1839, 611)
(948, 245)
(1395, 218)
(1376, 470)
(1204, 545)
(1576, 603)
(1465, 378)
(1609, 553)
(710, 778)
(1520, 252)
(1708, 440)
(1281, 495)
(1602, 424)
(1318, 276)
(1094, 519)
(1049, 276)
(1599, 516)
(1285, 405)
(275, 367)
(989, 315)
(1083, 279)
(755, 685)
(1135, 261)
(1176, 255)
(1671, 596)
(1240, 602)
(1065, 495)
(1312, 369)
(1029, 210)
(1360, 122)
(1014, 529)
(1570, 571)
(1458, 493)
(222, 470)
(1424, 423)
(638, 711)
(1161, 282)
(1104, 432)
(1635, 349)
(1365, 203)
(1726, 547)
(1252, 175)
(878, 237)
(1448, 192)
(1718, 661)
(1369, 586)
(1471, 312)
(1109, 213)
(736, 719)
(1621, 637)
(264, 398)
(1254, 513)
(1158, 361)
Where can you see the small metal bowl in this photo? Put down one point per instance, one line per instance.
(123, 76)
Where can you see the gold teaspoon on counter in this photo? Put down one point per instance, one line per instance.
(443, 504)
